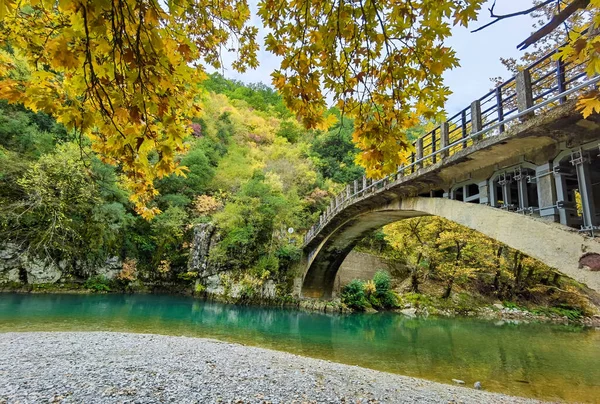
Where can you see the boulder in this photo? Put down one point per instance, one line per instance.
(412, 312)
(213, 285)
(40, 270)
(111, 268)
(9, 263)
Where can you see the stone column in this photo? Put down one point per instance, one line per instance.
(484, 194)
(444, 139)
(585, 190)
(522, 189)
(562, 198)
(476, 119)
(524, 93)
(419, 152)
(546, 191)
(505, 184)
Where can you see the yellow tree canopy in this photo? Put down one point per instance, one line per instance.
(125, 73)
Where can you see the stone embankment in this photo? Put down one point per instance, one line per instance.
(105, 367)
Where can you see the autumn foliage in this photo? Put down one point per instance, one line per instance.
(125, 73)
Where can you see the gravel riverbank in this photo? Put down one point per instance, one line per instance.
(99, 367)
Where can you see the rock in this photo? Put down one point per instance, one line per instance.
(213, 285)
(40, 270)
(268, 289)
(457, 381)
(111, 268)
(9, 263)
(477, 385)
(205, 238)
(412, 312)
(498, 306)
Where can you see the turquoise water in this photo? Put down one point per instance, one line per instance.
(536, 360)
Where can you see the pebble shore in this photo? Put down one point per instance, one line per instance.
(104, 367)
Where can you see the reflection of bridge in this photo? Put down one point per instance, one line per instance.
(522, 149)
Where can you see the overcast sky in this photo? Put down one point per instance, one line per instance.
(479, 53)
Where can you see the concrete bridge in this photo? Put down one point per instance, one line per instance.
(512, 166)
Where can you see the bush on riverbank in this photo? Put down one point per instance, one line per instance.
(375, 293)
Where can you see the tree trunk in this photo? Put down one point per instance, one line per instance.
(414, 280)
(414, 275)
(448, 289)
(498, 272)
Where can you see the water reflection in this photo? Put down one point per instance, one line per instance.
(553, 362)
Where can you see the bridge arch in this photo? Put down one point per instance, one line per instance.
(557, 246)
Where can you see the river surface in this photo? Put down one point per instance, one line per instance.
(535, 360)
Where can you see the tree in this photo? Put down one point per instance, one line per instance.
(122, 73)
(60, 211)
(125, 73)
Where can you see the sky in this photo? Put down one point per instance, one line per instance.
(479, 53)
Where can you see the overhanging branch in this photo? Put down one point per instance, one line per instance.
(504, 16)
(558, 19)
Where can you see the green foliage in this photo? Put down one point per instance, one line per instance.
(573, 314)
(266, 266)
(386, 298)
(334, 153)
(353, 296)
(28, 133)
(258, 96)
(247, 223)
(287, 255)
(60, 209)
(416, 299)
(167, 231)
(188, 276)
(98, 284)
(197, 178)
(290, 130)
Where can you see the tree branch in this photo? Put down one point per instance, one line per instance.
(554, 22)
(502, 17)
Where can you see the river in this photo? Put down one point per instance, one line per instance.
(545, 361)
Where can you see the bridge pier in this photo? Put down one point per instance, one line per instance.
(546, 190)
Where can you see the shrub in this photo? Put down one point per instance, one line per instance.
(370, 288)
(129, 271)
(353, 296)
(382, 282)
(98, 283)
(384, 297)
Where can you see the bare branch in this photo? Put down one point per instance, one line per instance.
(502, 17)
(554, 22)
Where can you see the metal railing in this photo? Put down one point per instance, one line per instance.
(539, 87)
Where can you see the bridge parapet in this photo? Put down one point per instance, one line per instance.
(536, 89)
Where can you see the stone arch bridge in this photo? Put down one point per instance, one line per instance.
(520, 165)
